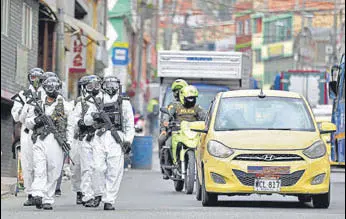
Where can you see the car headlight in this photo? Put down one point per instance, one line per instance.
(316, 150)
(217, 149)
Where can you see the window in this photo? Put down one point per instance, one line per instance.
(258, 25)
(240, 28)
(27, 26)
(247, 27)
(258, 54)
(254, 113)
(4, 16)
(278, 30)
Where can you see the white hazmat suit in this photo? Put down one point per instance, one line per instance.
(19, 115)
(107, 153)
(47, 154)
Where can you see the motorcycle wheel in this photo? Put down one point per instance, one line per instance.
(190, 173)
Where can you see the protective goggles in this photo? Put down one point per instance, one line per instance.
(91, 86)
(52, 86)
(35, 76)
(111, 85)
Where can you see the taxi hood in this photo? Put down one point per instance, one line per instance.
(267, 139)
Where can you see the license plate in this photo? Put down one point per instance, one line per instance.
(267, 185)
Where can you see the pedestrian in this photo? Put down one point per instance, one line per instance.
(82, 149)
(112, 141)
(19, 115)
(153, 115)
(47, 153)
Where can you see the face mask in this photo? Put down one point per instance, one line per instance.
(53, 94)
(190, 102)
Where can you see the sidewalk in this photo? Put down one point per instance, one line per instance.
(8, 185)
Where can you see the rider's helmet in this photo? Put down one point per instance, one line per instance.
(177, 86)
(188, 96)
(34, 77)
(111, 85)
(52, 86)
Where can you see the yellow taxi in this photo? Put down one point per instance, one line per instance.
(262, 142)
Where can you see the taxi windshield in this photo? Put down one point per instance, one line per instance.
(269, 113)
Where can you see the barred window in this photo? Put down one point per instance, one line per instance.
(5, 6)
(27, 26)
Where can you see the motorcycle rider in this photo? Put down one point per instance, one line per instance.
(82, 149)
(47, 153)
(34, 78)
(177, 85)
(108, 154)
(186, 109)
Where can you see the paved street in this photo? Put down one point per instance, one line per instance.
(145, 195)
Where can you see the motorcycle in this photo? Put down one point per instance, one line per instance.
(179, 162)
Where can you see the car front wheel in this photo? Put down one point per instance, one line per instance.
(322, 200)
(208, 199)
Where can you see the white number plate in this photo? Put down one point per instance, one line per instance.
(267, 185)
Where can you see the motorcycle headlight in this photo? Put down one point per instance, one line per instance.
(217, 149)
(316, 150)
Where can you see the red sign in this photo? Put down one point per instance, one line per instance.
(78, 54)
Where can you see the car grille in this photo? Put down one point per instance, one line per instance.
(268, 157)
(248, 179)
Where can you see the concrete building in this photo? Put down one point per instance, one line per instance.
(19, 52)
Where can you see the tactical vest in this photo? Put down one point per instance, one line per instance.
(186, 114)
(59, 119)
(114, 112)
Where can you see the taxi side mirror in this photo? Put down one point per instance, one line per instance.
(327, 127)
(198, 127)
(333, 89)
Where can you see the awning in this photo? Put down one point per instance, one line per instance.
(78, 25)
(84, 28)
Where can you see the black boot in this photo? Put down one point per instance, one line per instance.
(38, 202)
(30, 201)
(108, 206)
(90, 203)
(47, 206)
(79, 198)
(97, 200)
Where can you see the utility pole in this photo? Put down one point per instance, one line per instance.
(334, 56)
(60, 41)
(169, 31)
(139, 55)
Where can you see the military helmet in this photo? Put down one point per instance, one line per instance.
(34, 77)
(111, 85)
(52, 86)
(188, 96)
(47, 75)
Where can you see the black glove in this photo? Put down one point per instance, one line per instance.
(81, 123)
(38, 121)
(96, 117)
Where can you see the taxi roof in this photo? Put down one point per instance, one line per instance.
(254, 93)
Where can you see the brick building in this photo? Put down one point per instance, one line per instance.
(19, 52)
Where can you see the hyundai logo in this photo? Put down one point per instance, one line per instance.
(268, 157)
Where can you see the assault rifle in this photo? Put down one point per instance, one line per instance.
(49, 125)
(108, 124)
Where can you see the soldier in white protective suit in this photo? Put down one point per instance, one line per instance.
(35, 80)
(82, 148)
(111, 142)
(47, 153)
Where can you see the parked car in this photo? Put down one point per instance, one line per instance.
(267, 142)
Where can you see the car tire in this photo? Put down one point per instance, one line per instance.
(208, 199)
(190, 173)
(304, 198)
(198, 189)
(321, 200)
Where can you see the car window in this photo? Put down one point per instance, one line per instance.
(270, 113)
